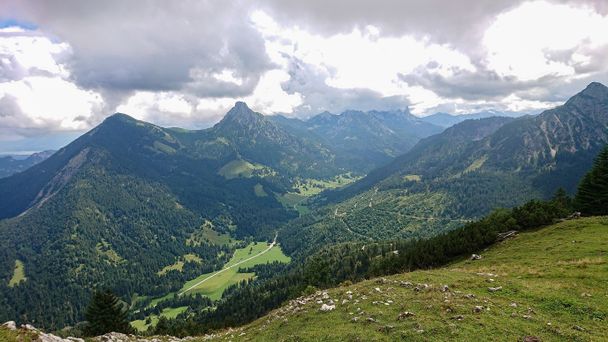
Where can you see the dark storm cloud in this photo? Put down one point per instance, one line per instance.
(153, 45)
(458, 23)
(478, 85)
(119, 47)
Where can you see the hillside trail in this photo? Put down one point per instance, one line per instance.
(274, 241)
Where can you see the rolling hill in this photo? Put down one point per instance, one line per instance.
(546, 284)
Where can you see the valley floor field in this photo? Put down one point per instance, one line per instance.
(213, 284)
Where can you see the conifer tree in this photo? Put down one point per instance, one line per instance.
(592, 195)
(106, 314)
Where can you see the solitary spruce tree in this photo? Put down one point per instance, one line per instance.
(105, 314)
(592, 195)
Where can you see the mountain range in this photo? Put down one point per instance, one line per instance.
(128, 199)
(10, 165)
(123, 201)
(446, 120)
(363, 140)
(462, 174)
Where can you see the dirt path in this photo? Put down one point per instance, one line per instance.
(231, 266)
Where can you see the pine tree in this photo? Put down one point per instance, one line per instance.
(592, 195)
(106, 314)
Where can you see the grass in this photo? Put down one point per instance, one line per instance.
(164, 148)
(412, 178)
(258, 189)
(476, 164)
(241, 168)
(18, 274)
(19, 335)
(553, 287)
(104, 249)
(179, 264)
(310, 187)
(215, 286)
(208, 234)
(170, 313)
(292, 200)
(303, 189)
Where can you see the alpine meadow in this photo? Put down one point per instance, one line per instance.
(303, 171)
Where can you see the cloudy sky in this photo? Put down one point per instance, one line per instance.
(66, 65)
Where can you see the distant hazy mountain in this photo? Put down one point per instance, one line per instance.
(462, 173)
(362, 140)
(13, 164)
(447, 120)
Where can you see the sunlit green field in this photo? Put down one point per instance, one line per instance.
(18, 274)
(141, 325)
(215, 286)
(255, 253)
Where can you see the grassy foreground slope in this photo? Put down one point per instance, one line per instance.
(552, 285)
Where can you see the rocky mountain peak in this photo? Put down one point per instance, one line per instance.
(595, 92)
(241, 114)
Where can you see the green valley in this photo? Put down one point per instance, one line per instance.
(213, 284)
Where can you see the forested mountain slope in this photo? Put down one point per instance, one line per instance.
(127, 199)
(363, 140)
(461, 174)
(113, 209)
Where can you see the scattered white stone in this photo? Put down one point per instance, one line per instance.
(478, 309)
(377, 289)
(495, 289)
(326, 307)
(475, 257)
(10, 325)
(445, 288)
(513, 305)
(491, 275)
